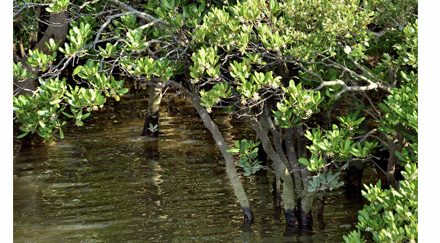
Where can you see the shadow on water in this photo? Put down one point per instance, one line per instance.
(105, 183)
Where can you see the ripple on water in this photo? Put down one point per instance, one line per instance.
(105, 183)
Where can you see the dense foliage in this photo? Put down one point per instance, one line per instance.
(323, 84)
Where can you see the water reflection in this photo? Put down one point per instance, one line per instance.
(105, 183)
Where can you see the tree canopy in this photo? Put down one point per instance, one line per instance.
(323, 84)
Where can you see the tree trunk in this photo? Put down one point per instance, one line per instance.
(307, 198)
(57, 29)
(392, 160)
(230, 166)
(353, 178)
(151, 124)
(293, 159)
(288, 197)
(288, 193)
(276, 192)
(306, 220)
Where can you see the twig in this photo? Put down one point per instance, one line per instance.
(346, 88)
(107, 22)
(141, 15)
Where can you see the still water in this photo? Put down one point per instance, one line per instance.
(105, 183)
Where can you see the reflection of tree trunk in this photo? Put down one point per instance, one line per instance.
(151, 150)
(320, 203)
(151, 124)
(230, 166)
(263, 185)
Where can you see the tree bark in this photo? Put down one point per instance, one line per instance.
(307, 198)
(288, 193)
(306, 220)
(276, 192)
(151, 124)
(288, 196)
(231, 171)
(58, 31)
(230, 165)
(320, 203)
(293, 159)
(392, 160)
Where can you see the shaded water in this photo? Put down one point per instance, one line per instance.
(105, 183)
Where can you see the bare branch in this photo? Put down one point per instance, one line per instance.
(138, 13)
(107, 22)
(365, 136)
(331, 83)
(380, 33)
(346, 88)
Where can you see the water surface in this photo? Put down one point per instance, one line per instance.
(105, 183)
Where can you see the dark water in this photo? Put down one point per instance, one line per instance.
(105, 183)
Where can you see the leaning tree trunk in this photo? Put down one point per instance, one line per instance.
(230, 166)
(151, 124)
(231, 171)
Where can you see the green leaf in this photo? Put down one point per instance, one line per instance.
(77, 70)
(347, 49)
(304, 161)
(84, 116)
(23, 135)
(61, 133)
(233, 150)
(53, 102)
(123, 91)
(41, 123)
(42, 112)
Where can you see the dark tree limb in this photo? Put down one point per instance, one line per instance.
(393, 147)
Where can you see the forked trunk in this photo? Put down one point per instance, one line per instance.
(281, 170)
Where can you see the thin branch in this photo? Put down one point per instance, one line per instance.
(107, 22)
(364, 137)
(346, 88)
(138, 13)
